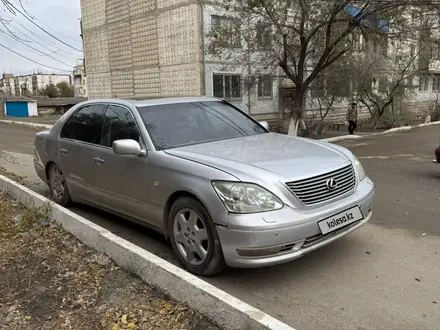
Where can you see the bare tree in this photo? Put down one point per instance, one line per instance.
(387, 82)
(307, 37)
(322, 105)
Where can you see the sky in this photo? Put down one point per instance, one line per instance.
(58, 17)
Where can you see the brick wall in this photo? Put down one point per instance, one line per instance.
(142, 47)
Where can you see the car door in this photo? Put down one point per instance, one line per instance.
(77, 143)
(122, 179)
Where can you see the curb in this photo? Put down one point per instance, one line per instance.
(23, 123)
(392, 130)
(221, 308)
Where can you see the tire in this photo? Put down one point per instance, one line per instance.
(201, 236)
(58, 187)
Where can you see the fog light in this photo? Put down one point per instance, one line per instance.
(259, 252)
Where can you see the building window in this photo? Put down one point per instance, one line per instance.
(413, 51)
(264, 36)
(293, 4)
(381, 47)
(265, 86)
(359, 43)
(227, 86)
(383, 84)
(226, 31)
(435, 51)
(318, 87)
(423, 83)
(436, 82)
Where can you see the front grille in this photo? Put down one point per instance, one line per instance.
(315, 190)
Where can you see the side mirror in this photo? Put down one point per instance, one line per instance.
(265, 124)
(127, 148)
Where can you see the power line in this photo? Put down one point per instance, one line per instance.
(19, 3)
(44, 30)
(21, 55)
(34, 49)
(61, 34)
(42, 39)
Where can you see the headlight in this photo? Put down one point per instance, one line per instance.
(359, 168)
(241, 197)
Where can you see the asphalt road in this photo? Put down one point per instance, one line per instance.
(383, 276)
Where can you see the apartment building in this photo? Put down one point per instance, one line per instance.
(147, 48)
(80, 81)
(150, 48)
(30, 85)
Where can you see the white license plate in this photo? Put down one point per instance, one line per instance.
(340, 220)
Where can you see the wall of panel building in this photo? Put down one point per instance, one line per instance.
(142, 47)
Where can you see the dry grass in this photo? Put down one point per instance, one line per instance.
(49, 280)
(17, 178)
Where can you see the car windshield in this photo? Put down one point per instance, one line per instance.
(181, 124)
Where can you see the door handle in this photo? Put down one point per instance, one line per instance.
(63, 151)
(98, 160)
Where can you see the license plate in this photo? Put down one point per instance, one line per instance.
(340, 220)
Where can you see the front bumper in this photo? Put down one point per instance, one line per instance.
(245, 248)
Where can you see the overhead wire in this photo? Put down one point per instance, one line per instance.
(34, 49)
(20, 3)
(42, 39)
(44, 30)
(29, 59)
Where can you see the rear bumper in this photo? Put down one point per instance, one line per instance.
(41, 171)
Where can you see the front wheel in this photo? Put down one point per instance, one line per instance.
(58, 188)
(194, 238)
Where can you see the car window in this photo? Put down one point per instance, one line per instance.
(119, 124)
(174, 125)
(85, 124)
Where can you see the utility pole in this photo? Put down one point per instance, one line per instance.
(3, 113)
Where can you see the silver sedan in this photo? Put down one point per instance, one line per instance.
(222, 189)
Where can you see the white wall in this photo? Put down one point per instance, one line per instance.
(44, 80)
(32, 109)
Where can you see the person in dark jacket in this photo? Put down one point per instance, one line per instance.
(352, 115)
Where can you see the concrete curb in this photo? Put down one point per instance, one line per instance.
(392, 130)
(221, 308)
(23, 123)
(343, 137)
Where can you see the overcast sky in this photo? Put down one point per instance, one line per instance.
(58, 17)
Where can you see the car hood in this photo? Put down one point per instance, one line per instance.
(284, 156)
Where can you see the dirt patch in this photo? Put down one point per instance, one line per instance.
(17, 178)
(52, 281)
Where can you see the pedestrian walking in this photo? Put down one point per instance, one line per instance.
(352, 115)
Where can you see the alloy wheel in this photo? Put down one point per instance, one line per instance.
(191, 236)
(57, 183)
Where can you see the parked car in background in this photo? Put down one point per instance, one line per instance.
(222, 189)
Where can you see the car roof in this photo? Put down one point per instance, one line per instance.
(146, 102)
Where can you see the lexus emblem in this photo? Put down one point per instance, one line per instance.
(331, 184)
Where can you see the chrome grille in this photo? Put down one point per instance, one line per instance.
(315, 190)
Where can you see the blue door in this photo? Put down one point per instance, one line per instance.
(17, 109)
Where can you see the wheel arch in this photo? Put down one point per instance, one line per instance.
(169, 203)
(47, 168)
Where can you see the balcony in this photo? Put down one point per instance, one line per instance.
(434, 65)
